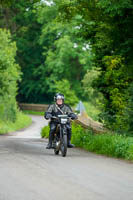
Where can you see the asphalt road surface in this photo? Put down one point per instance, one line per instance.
(28, 171)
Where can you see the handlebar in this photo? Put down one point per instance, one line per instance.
(60, 116)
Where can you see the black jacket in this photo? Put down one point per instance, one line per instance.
(54, 110)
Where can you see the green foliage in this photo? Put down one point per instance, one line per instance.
(29, 51)
(108, 26)
(20, 18)
(117, 146)
(9, 75)
(64, 87)
(65, 41)
(65, 52)
(91, 92)
(47, 49)
(115, 7)
(93, 108)
(129, 154)
(31, 112)
(89, 78)
(77, 137)
(111, 145)
(45, 132)
(22, 121)
(129, 109)
(116, 83)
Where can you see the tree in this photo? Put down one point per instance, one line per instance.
(108, 26)
(40, 38)
(67, 55)
(9, 75)
(20, 18)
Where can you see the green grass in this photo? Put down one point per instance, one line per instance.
(92, 110)
(31, 112)
(113, 145)
(21, 122)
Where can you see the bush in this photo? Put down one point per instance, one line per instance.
(45, 132)
(129, 154)
(77, 137)
(111, 145)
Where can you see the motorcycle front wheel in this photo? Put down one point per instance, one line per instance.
(64, 146)
(56, 147)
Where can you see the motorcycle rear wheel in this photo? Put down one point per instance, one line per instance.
(56, 151)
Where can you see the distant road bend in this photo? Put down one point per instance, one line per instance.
(28, 171)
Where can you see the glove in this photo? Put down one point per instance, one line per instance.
(48, 116)
(73, 116)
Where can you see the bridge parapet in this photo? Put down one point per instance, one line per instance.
(33, 107)
(83, 119)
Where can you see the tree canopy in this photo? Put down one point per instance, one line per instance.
(86, 45)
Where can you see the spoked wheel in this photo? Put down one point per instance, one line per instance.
(64, 146)
(56, 147)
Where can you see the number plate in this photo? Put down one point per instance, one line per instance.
(63, 121)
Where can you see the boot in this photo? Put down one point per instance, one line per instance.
(69, 145)
(49, 145)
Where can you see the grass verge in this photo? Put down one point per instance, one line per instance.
(117, 146)
(21, 122)
(31, 112)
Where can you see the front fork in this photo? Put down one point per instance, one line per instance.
(63, 131)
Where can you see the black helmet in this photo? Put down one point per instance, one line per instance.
(59, 96)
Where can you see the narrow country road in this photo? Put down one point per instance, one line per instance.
(28, 171)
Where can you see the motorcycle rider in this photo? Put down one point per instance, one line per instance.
(59, 108)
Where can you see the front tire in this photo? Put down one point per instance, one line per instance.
(64, 146)
(56, 147)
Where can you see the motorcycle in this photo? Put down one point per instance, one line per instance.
(60, 135)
